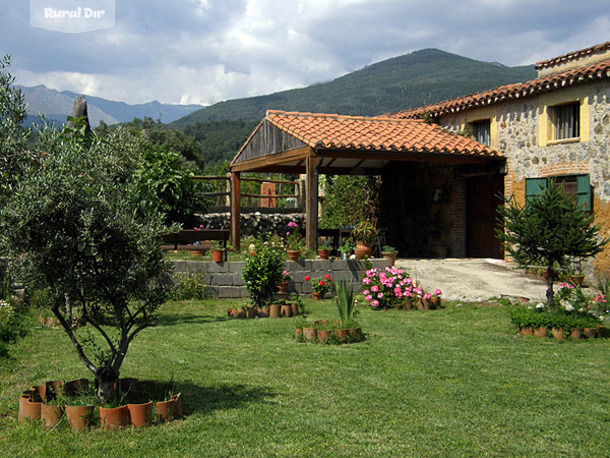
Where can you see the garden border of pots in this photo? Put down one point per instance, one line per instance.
(559, 334)
(34, 406)
(271, 311)
(310, 332)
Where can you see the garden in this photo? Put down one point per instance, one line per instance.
(92, 317)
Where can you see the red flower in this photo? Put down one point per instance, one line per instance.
(322, 283)
(306, 279)
(252, 253)
(327, 276)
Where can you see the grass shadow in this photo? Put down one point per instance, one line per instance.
(173, 319)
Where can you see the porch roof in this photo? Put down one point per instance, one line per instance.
(283, 141)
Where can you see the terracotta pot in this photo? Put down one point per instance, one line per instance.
(420, 304)
(286, 310)
(23, 400)
(274, 310)
(56, 387)
(298, 332)
(318, 296)
(283, 287)
(32, 410)
(342, 334)
(390, 256)
(240, 313)
(41, 392)
(363, 250)
(196, 253)
(590, 332)
(115, 418)
(79, 417)
(165, 410)
(320, 323)
(576, 280)
(140, 415)
(356, 333)
(540, 332)
(323, 335)
(527, 331)
(177, 405)
(263, 312)
(558, 333)
(324, 254)
(217, 255)
(576, 334)
(426, 304)
(50, 415)
(294, 255)
(295, 309)
(436, 302)
(251, 312)
(408, 304)
(309, 334)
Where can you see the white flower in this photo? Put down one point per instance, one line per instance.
(539, 306)
(566, 306)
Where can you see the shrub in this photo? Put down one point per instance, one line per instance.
(263, 270)
(188, 287)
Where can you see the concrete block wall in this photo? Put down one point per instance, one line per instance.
(224, 279)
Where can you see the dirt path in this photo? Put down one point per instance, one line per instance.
(474, 279)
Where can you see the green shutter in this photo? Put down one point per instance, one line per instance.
(583, 192)
(534, 187)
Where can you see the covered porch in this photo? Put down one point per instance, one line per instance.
(397, 149)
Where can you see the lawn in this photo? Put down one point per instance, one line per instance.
(454, 382)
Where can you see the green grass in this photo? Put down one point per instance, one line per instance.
(455, 382)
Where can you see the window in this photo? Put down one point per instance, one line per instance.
(577, 186)
(566, 121)
(481, 131)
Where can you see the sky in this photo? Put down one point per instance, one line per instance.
(207, 51)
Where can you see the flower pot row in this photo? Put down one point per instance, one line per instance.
(34, 406)
(323, 331)
(561, 334)
(270, 311)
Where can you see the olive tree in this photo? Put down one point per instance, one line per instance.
(549, 231)
(85, 227)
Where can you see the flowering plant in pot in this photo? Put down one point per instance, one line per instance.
(324, 249)
(320, 285)
(263, 271)
(365, 233)
(293, 241)
(389, 253)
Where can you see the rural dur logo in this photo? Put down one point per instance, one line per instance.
(72, 16)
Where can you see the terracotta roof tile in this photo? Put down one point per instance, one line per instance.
(573, 55)
(573, 77)
(375, 134)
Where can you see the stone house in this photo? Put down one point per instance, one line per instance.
(555, 126)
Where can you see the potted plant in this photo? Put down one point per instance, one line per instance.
(284, 282)
(347, 248)
(218, 252)
(320, 286)
(325, 249)
(389, 252)
(365, 233)
(346, 307)
(198, 249)
(294, 241)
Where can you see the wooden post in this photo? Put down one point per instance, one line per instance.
(311, 204)
(235, 210)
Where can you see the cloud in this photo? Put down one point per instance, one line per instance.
(205, 51)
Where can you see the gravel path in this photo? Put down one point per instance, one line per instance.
(474, 279)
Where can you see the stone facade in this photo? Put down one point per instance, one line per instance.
(254, 224)
(224, 279)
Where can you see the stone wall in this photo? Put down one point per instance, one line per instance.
(254, 224)
(224, 280)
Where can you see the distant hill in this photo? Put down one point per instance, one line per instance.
(56, 106)
(416, 79)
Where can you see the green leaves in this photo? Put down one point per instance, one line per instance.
(263, 270)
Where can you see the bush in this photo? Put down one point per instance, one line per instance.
(263, 270)
(188, 287)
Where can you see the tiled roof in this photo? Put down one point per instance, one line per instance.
(375, 134)
(573, 77)
(573, 55)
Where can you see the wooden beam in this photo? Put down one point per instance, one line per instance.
(271, 160)
(311, 203)
(235, 210)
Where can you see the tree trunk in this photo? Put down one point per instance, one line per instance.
(550, 278)
(107, 381)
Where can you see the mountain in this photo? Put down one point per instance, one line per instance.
(56, 106)
(416, 79)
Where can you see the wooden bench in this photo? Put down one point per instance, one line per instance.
(184, 239)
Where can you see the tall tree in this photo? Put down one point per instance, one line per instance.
(549, 230)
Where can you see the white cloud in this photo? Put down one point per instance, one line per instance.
(205, 51)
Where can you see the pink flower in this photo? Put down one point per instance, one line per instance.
(369, 298)
(437, 292)
(365, 292)
(379, 296)
(292, 224)
(427, 296)
(366, 281)
(375, 288)
(375, 304)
